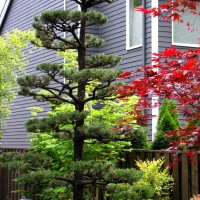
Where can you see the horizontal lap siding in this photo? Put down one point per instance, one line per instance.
(114, 34)
(148, 55)
(148, 35)
(164, 32)
(20, 16)
(93, 30)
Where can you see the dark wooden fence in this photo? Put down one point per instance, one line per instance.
(186, 175)
(7, 185)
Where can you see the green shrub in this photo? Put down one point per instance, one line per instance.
(141, 140)
(130, 192)
(167, 121)
(154, 175)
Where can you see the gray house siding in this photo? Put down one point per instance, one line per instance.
(20, 16)
(164, 33)
(114, 34)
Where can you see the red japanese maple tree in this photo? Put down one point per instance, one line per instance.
(174, 74)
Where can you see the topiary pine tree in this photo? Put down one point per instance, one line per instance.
(167, 121)
(90, 81)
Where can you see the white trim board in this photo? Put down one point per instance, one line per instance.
(154, 49)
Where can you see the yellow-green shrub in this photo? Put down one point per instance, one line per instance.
(156, 176)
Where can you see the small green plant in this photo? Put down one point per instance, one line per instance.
(156, 176)
(130, 191)
(141, 140)
(167, 121)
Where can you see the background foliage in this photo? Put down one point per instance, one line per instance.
(12, 62)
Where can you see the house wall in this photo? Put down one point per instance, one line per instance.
(114, 34)
(21, 15)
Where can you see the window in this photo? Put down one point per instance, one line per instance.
(133, 24)
(183, 37)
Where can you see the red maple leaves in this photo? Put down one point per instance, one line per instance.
(173, 9)
(175, 74)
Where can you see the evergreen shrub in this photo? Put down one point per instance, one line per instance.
(167, 121)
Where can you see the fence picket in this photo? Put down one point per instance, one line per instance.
(175, 173)
(132, 156)
(149, 156)
(3, 184)
(195, 175)
(185, 177)
(167, 159)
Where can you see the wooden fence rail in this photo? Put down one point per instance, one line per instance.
(186, 175)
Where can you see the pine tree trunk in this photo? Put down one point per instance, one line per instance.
(78, 192)
(78, 187)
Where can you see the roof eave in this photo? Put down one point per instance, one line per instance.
(4, 11)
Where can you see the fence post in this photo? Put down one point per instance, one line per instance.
(185, 177)
(195, 175)
(3, 183)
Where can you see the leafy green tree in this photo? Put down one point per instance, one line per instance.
(12, 62)
(167, 121)
(79, 87)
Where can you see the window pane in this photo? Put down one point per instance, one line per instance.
(183, 36)
(135, 23)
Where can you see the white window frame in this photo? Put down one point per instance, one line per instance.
(128, 47)
(182, 44)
